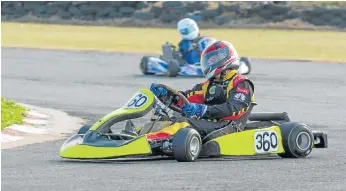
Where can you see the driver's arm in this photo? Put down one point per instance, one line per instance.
(183, 48)
(238, 101)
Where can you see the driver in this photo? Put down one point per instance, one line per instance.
(223, 98)
(188, 46)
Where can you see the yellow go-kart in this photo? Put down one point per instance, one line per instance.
(262, 133)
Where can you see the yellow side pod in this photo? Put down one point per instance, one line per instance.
(244, 143)
(139, 146)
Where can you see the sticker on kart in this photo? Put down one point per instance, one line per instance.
(266, 141)
(137, 101)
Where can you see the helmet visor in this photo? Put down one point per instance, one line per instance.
(214, 59)
(186, 31)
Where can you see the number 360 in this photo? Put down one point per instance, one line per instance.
(266, 141)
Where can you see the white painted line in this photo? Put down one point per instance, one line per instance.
(35, 121)
(9, 138)
(27, 129)
(37, 114)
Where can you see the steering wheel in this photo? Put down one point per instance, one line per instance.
(171, 93)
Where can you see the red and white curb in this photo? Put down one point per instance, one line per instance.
(34, 123)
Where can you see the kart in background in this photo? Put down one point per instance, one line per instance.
(172, 64)
(263, 134)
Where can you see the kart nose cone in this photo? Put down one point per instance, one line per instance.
(72, 141)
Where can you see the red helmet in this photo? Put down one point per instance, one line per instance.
(217, 57)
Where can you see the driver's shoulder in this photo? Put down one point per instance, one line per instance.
(240, 79)
(199, 86)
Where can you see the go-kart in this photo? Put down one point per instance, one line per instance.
(262, 133)
(171, 64)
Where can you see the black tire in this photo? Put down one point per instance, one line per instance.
(173, 68)
(182, 141)
(297, 139)
(143, 65)
(84, 129)
(246, 61)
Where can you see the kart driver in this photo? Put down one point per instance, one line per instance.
(188, 46)
(223, 99)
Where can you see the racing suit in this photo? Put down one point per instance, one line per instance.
(189, 53)
(228, 99)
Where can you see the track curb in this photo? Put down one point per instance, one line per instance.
(40, 125)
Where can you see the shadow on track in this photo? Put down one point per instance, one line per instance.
(157, 160)
(122, 161)
(163, 76)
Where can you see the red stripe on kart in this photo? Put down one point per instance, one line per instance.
(159, 135)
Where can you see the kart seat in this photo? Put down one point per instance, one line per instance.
(234, 126)
(241, 123)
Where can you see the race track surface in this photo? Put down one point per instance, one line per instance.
(90, 84)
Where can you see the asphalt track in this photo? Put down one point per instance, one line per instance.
(90, 84)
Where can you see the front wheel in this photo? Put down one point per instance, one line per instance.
(297, 139)
(245, 66)
(143, 65)
(187, 145)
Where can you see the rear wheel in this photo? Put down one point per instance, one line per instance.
(297, 140)
(143, 65)
(187, 145)
(245, 66)
(173, 68)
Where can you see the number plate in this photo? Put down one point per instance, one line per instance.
(137, 101)
(266, 141)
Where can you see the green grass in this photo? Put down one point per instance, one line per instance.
(334, 4)
(11, 113)
(255, 43)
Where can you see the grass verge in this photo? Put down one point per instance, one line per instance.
(255, 43)
(11, 113)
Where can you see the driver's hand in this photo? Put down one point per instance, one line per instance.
(194, 110)
(158, 91)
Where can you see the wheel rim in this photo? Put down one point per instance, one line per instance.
(303, 141)
(194, 146)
